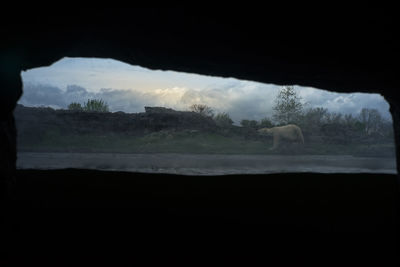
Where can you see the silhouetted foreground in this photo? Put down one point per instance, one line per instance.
(327, 220)
(337, 216)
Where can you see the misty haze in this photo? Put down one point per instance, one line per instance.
(108, 115)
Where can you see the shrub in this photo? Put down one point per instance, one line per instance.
(75, 106)
(266, 123)
(223, 120)
(96, 105)
(249, 124)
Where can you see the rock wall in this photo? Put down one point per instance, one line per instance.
(33, 121)
(333, 48)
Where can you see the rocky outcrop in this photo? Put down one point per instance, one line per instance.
(34, 122)
(159, 110)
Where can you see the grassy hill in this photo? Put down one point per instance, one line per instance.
(163, 131)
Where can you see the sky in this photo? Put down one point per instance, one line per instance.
(130, 88)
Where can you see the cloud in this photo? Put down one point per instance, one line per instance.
(344, 103)
(117, 99)
(139, 87)
(241, 99)
(46, 95)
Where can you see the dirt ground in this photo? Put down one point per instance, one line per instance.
(206, 164)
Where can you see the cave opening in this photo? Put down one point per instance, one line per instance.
(301, 218)
(103, 114)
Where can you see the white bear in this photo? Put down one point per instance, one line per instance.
(288, 132)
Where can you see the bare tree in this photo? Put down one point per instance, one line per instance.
(371, 120)
(202, 109)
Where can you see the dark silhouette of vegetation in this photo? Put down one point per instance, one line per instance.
(92, 105)
(288, 106)
(202, 109)
(96, 105)
(265, 123)
(223, 120)
(369, 127)
(75, 106)
(371, 120)
(249, 124)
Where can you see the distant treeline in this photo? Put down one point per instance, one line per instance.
(319, 124)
